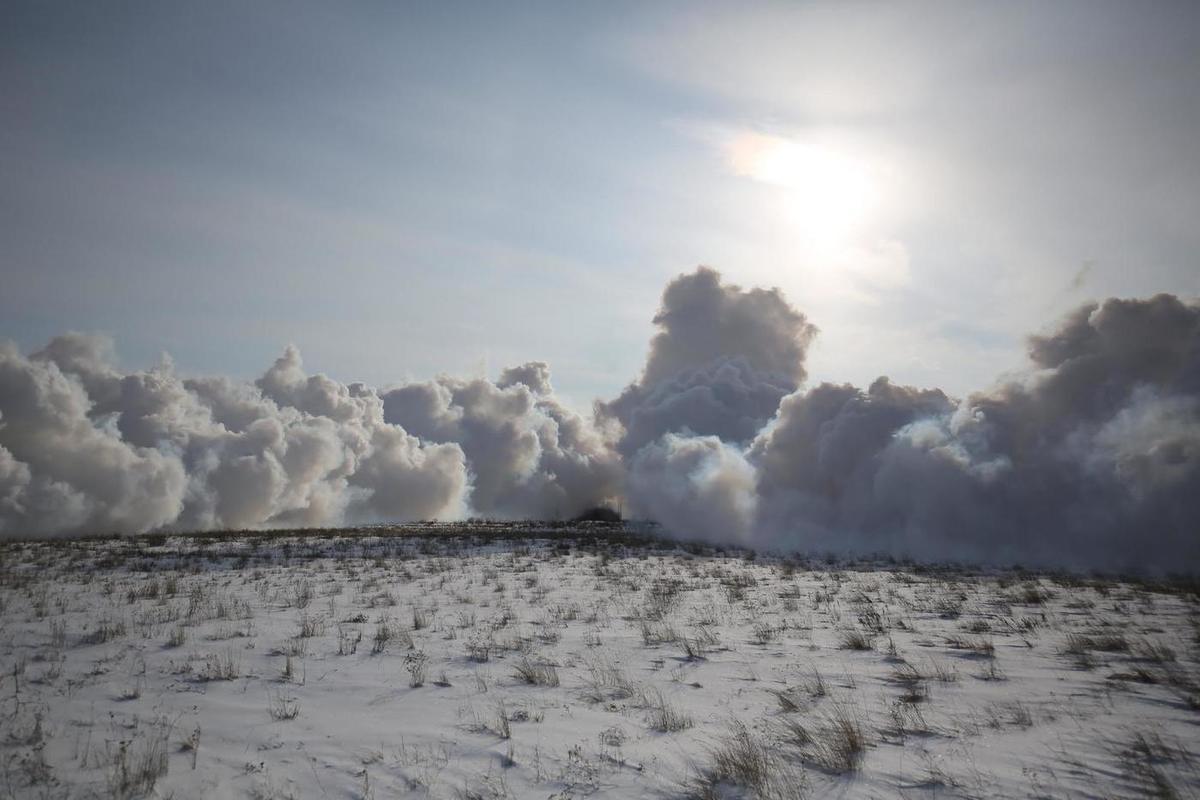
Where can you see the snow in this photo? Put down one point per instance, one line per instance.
(175, 667)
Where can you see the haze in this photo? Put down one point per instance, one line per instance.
(404, 190)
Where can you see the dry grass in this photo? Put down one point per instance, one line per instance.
(529, 630)
(535, 673)
(137, 763)
(743, 764)
(1144, 758)
(837, 743)
(665, 717)
(855, 640)
(282, 706)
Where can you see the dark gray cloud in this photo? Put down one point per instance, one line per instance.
(818, 462)
(702, 320)
(1089, 458)
(726, 398)
(720, 363)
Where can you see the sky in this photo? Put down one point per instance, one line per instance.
(407, 190)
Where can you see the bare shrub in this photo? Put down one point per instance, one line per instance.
(661, 597)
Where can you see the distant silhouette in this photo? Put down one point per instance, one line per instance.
(599, 514)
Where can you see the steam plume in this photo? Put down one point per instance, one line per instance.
(1088, 458)
(530, 457)
(719, 365)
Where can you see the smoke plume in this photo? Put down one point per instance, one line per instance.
(529, 456)
(1088, 458)
(84, 448)
(719, 365)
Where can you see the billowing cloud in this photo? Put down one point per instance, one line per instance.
(722, 360)
(695, 484)
(155, 451)
(726, 398)
(1090, 457)
(66, 472)
(703, 320)
(529, 455)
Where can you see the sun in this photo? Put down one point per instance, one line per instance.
(826, 194)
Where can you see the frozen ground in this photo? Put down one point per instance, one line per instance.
(508, 661)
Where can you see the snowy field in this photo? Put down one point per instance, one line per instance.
(510, 661)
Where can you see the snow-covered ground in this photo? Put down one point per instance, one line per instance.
(510, 661)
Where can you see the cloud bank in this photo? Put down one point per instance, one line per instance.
(1090, 457)
(84, 448)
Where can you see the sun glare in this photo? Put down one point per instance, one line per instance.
(826, 194)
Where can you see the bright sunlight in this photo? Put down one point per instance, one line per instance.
(826, 194)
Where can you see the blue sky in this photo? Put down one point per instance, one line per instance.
(408, 189)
